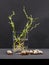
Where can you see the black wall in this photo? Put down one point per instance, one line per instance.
(39, 37)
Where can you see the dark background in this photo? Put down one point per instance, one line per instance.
(39, 37)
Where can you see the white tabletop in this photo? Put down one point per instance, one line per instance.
(3, 55)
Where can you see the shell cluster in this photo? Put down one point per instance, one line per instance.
(32, 52)
(26, 52)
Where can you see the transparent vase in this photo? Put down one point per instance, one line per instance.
(17, 47)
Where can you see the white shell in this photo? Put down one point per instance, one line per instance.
(23, 51)
(31, 51)
(38, 51)
(9, 51)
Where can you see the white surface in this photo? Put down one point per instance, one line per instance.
(3, 55)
